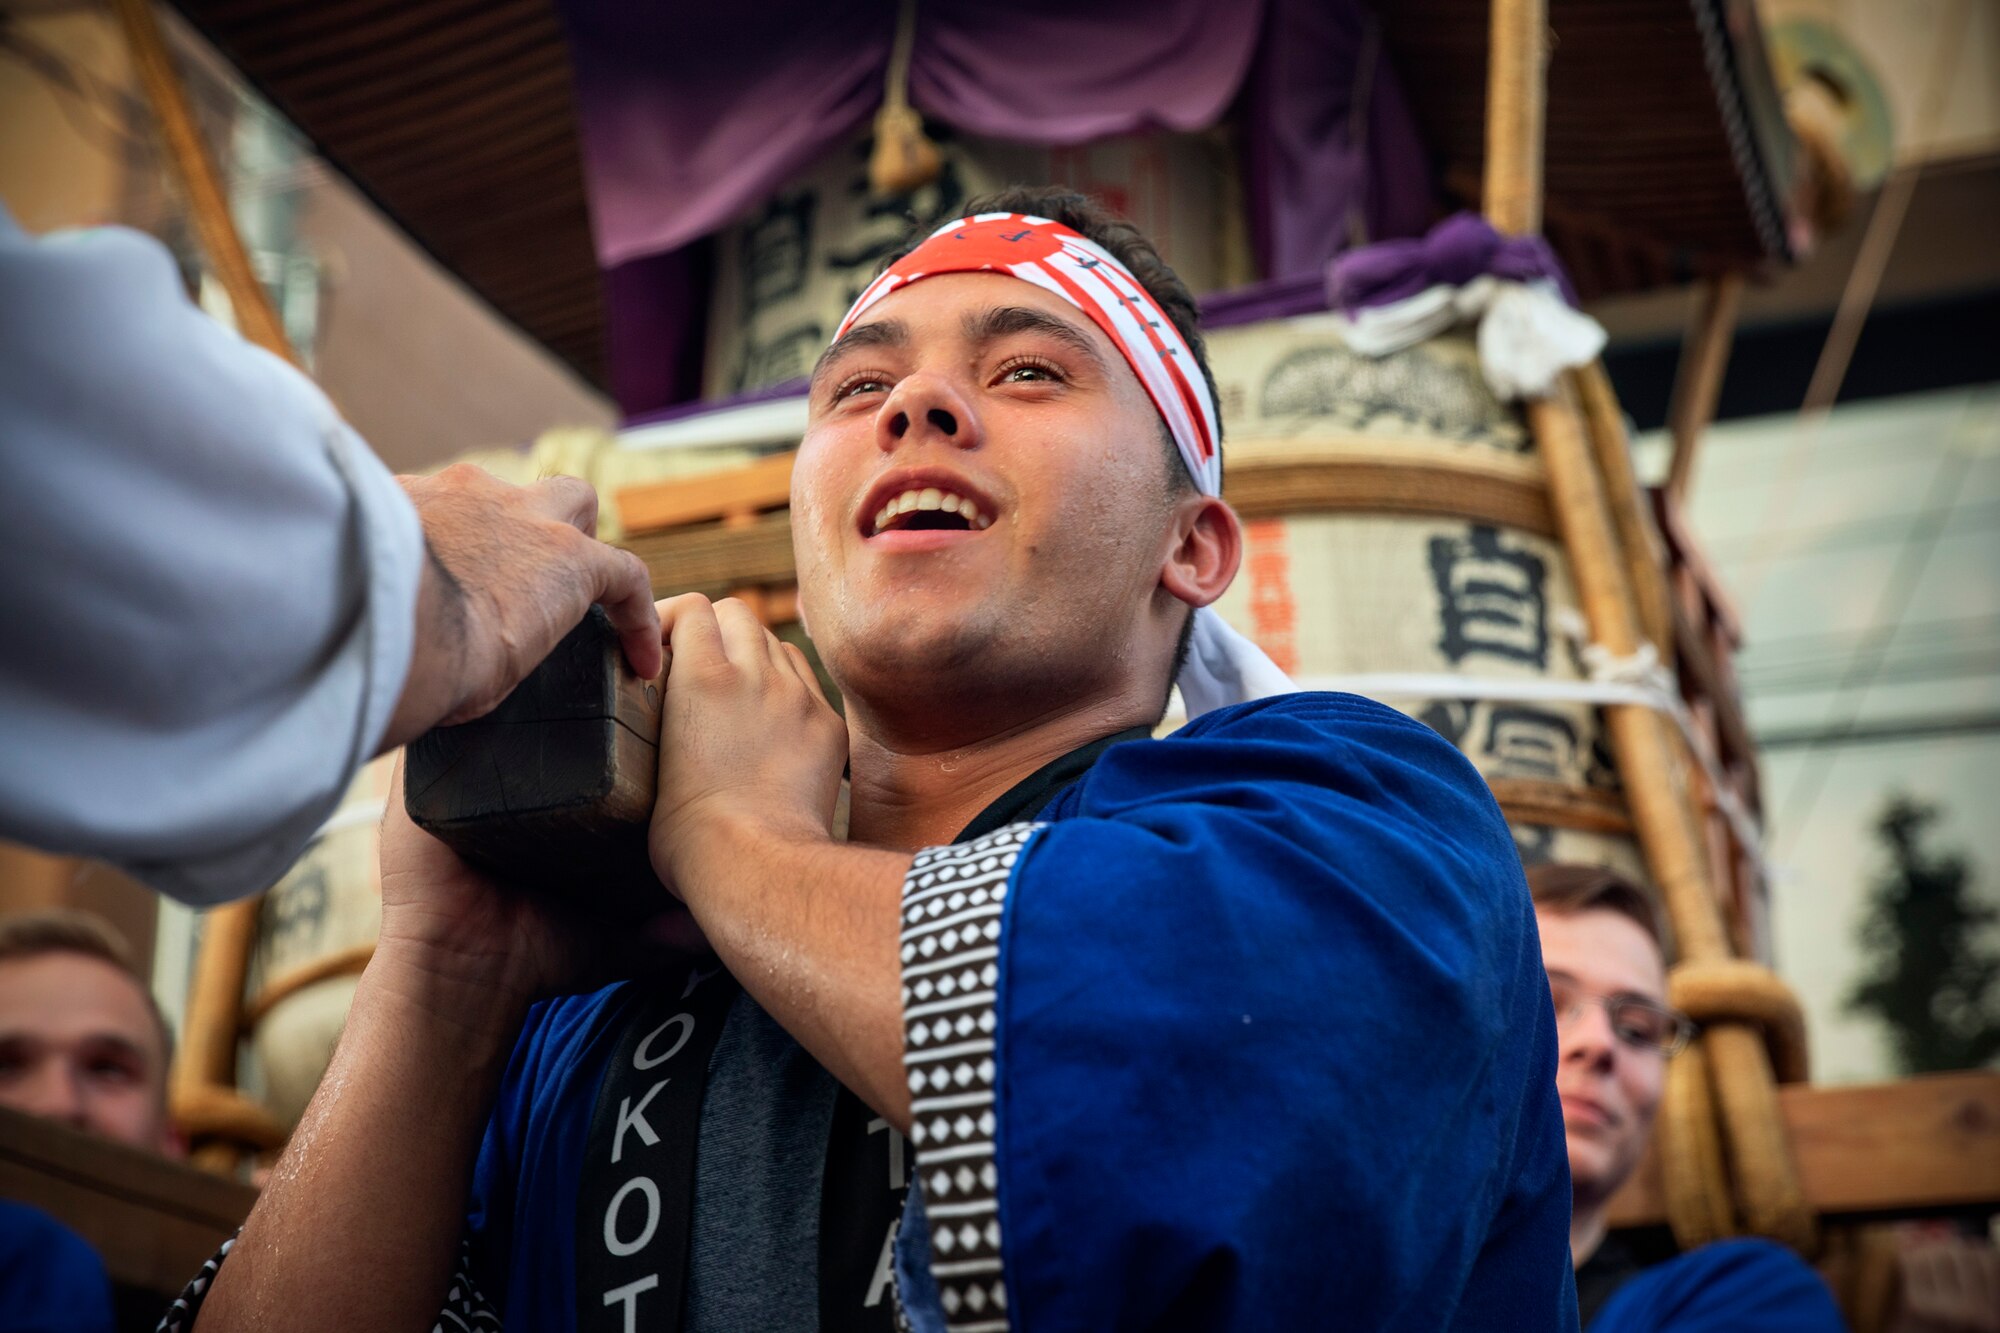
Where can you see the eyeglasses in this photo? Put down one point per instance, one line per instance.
(1640, 1024)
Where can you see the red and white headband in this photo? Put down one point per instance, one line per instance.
(1077, 269)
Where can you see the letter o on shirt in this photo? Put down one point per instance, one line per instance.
(641, 1060)
(623, 1248)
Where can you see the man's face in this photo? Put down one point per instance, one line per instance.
(78, 1044)
(1609, 1088)
(1035, 461)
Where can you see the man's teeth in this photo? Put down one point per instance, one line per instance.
(932, 497)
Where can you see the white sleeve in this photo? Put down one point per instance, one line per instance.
(207, 581)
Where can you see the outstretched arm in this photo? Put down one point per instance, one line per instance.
(363, 1216)
(219, 602)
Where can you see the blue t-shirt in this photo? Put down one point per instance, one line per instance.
(1732, 1286)
(1274, 1046)
(51, 1281)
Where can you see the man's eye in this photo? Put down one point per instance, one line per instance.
(860, 384)
(112, 1071)
(1642, 1026)
(1030, 372)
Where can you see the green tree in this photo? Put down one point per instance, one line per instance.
(1932, 978)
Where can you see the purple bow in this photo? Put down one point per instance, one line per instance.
(1462, 247)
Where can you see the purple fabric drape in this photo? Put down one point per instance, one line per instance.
(1058, 72)
(1331, 154)
(653, 330)
(1462, 247)
(691, 115)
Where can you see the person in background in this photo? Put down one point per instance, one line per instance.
(1601, 944)
(81, 1043)
(218, 602)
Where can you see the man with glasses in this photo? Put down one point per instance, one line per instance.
(1601, 943)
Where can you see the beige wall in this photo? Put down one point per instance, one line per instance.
(422, 367)
(57, 166)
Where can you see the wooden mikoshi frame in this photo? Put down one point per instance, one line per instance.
(1755, 1166)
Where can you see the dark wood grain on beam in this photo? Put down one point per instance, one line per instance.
(155, 1222)
(1925, 1145)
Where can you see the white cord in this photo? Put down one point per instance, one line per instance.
(1639, 679)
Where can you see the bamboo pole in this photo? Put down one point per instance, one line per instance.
(1650, 763)
(1645, 553)
(1516, 103)
(1649, 760)
(1698, 382)
(1694, 1181)
(199, 179)
(206, 1061)
(1745, 1093)
(215, 995)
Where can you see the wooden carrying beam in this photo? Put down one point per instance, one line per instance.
(1927, 1144)
(155, 1222)
(553, 790)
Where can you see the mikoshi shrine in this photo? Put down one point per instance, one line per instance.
(680, 207)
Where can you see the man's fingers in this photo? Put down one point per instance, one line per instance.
(625, 590)
(570, 500)
(689, 628)
(802, 667)
(744, 637)
(774, 649)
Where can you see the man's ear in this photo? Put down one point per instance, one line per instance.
(1208, 548)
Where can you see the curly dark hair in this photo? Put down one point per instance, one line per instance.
(1084, 215)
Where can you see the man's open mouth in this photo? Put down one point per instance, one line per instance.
(929, 509)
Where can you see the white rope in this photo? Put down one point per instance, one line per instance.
(1640, 680)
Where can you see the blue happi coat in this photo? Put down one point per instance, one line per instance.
(1245, 1028)
(1271, 1046)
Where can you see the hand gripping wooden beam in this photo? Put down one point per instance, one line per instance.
(553, 790)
